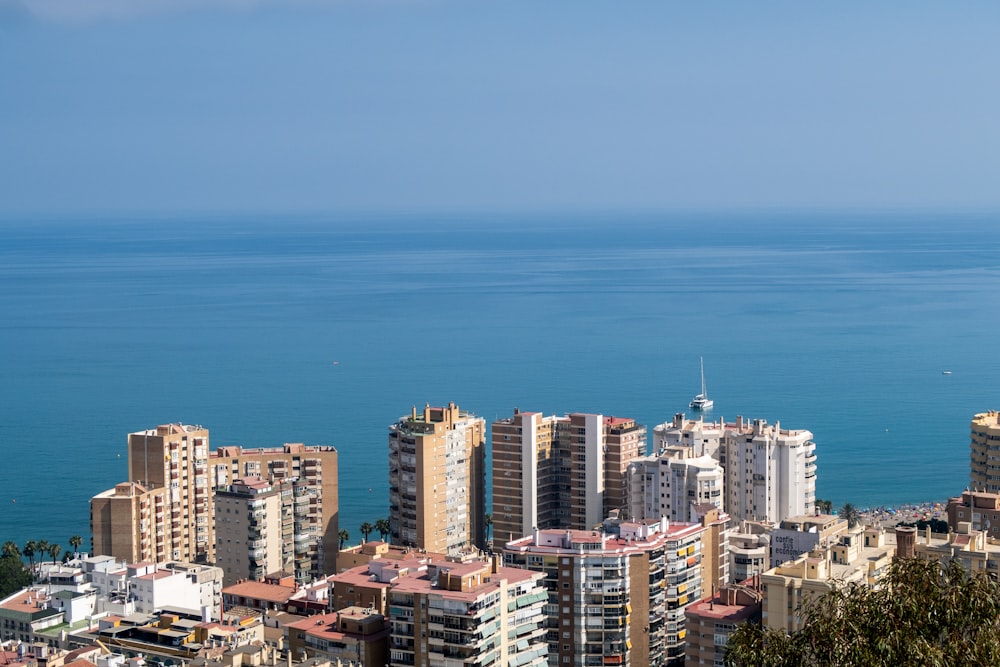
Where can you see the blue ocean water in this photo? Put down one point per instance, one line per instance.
(841, 323)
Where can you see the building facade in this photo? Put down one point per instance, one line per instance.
(985, 452)
(174, 457)
(437, 495)
(857, 556)
(128, 523)
(671, 487)
(164, 511)
(770, 472)
(309, 472)
(560, 472)
(616, 597)
(248, 531)
(712, 620)
(466, 614)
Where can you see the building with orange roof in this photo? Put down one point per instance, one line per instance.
(619, 592)
(712, 620)
(353, 634)
(437, 479)
(259, 595)
(468, 613)
(364, 553)
(560, 472)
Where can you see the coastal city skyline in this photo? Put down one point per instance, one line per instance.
(430, 333)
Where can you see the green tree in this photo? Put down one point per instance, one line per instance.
(383, 527)
(366, 530)
(75, 542)
(13, 575)
(488, 523)
(54, 551)
(851, 514)
(30, 549)
(824, 506)
(344, 536)
(922, 613)
(11, 550)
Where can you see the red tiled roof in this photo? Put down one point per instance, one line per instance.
(258, 590)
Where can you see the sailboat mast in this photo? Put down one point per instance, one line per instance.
(703, 392)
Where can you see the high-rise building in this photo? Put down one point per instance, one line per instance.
(311, 470)
(445, 611)
(437, 495)
(985, 446)
(770, 472)
(174, 457)
(560, 472)
(123, 522)
(248, 530)
(616, 595)
(167, 509)
(664, 486)
(471, 613)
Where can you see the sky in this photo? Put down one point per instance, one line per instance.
(216, 106)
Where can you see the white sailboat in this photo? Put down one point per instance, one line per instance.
(702, 401)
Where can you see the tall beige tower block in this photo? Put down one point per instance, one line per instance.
(437, 499)
(175, 457)
(985, 445)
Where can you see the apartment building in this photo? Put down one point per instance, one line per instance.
(668, 486)
(979, 508)
(248, 531)
(560, 472)
(164, 511)
(309, 472)
(770, 472)
(468, 613)
(985, 452)
(860, 555)
(128, 523)
(437, 495)
(617, 595)
(749, 550)
(712, 620)
(352, 636)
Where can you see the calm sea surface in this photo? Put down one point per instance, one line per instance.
(837, 323)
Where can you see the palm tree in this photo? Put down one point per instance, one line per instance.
(366, 530)
(383, 527)
(41, 548)
(824, 506)
(54, 551)
(344, 536)
(30, 547)
(488, 522)
(11, 550)
(75, 542)
(851, 514)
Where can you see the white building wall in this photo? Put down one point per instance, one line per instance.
(529, 470)
(594, 448)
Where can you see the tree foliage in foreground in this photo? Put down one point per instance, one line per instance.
(13, 574)
(922, 613)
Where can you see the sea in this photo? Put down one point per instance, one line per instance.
(876, 331)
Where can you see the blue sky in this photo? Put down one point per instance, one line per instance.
(117, 106)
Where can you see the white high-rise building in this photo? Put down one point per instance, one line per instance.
(770, 472)
(661, 486)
